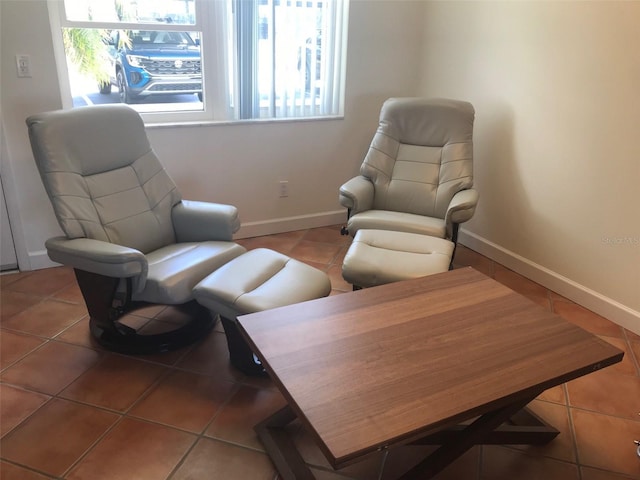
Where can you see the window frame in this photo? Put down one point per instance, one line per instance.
(215, 25)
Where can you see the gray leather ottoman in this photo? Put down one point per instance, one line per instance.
(377, 257)
(258, 280)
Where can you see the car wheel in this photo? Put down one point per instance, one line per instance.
(125, 96)
(105, 88)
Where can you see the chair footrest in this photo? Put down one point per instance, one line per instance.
(377, 257)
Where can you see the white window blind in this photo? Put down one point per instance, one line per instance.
(259, 59)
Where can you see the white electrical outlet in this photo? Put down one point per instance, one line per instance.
(284, 188)
(23, 63)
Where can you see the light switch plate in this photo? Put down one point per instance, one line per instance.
(23, 63)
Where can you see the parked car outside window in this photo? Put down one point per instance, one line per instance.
(145, 63)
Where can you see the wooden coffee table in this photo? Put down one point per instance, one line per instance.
(408, 362)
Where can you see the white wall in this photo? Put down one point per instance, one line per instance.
(557, 156)
(557, 97)
(236, 164)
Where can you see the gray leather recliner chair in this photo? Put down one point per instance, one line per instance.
(417, 176)
(129, 236)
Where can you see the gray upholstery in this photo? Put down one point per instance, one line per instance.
(121, 213)
(418, 173)
(376, 257)
(261, 279)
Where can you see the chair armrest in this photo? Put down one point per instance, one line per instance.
(99, 257)
(201, 221)
(357, 194)
(461, 208)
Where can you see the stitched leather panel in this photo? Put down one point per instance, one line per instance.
(103, 179)
(421, 155)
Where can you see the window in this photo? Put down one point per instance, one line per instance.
(198, 60)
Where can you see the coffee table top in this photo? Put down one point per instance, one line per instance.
(388, 364)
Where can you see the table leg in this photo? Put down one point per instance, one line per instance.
(509, 425)
(486, 429)
(280, 447)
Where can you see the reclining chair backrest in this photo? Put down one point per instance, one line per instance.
(103, 179)
(421, 155)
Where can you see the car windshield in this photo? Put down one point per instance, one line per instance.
(146, 37)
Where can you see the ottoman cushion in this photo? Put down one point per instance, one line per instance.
(259, 280)
(377, 257)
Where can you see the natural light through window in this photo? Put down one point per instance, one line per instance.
(193, 60)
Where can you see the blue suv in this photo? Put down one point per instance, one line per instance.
(146, 63)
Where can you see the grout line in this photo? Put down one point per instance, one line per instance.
(238, 384)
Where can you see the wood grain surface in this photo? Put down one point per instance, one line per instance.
(388, 364)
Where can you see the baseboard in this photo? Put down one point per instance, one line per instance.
(290, 224)
(590, 299)
(38, 260)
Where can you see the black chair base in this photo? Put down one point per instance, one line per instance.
(108, 307)
(241, 356)
(124, 339)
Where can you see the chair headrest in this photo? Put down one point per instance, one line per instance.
(426, 121)
(88, 140)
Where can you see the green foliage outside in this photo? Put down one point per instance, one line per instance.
(87, 50)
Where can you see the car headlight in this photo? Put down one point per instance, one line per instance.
(135, 60)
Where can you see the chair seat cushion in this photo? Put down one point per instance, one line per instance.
(396, 221)
(175, 269)
(377, 257)
(261, 279)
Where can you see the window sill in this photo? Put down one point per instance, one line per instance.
(250, 121)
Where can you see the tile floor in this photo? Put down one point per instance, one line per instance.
(71, 410)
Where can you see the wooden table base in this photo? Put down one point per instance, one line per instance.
(510, 425)
(450, 359)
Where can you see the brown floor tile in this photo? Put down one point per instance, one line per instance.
(606, 392)
(280, 242)
(167, 358)
(16, 405)
(326, 235)
(55, 437)
(314, 251)
(194, 389)
(14, 346)
(555, 394)
(9, 471)
(635, 351)
(211, 357)
(339, 258)
(337, 280)
(47, 318)
(592, 322)
(51, 368)
(247, 407)
(14, 303)
(79, 334)
(215, 460)
(45, 282)
(627, 366)
(116, 382)
(532, 290)
(185, 400)
(606, 442)
(9, 277)
(70, 294)
(595, 474)
(134, 449)
(499, 463)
